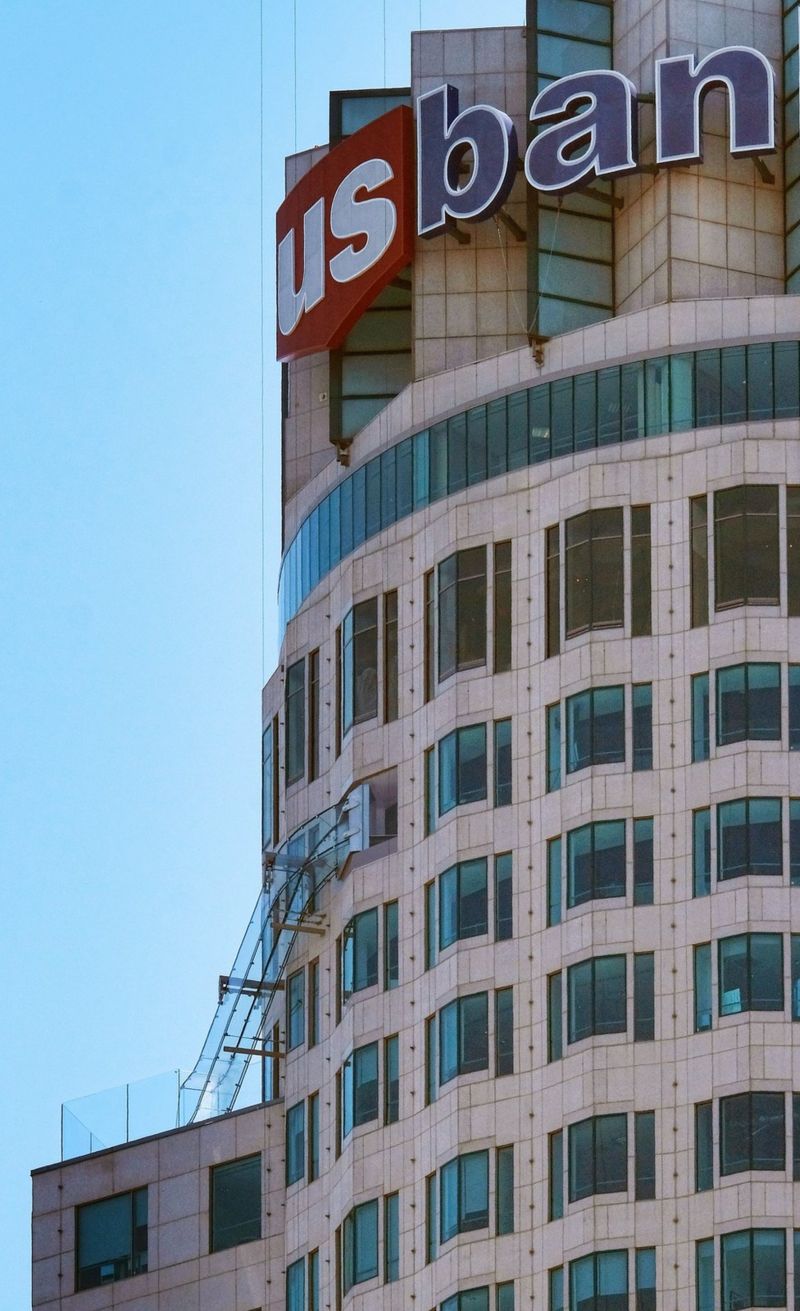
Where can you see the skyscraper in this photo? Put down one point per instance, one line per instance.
(521, 989)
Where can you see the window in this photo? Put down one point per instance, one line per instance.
(295, 1009)
(555, 1195)
(642, 726)
(391, 1238)
(793, 549)
(746, 546)
(599, 1282)
(360, 1088)
(701, 852)
(295, 721)
(597, 1002)
(391, 961)
(503, 900)
(752, 1132)
(698, 512)
(430, 791)
(748, 703)
(464, 1194)
(295, 1143)
(296, 1286)
(360, 1245)
(598, 1156)
(555, 1287)
(794, 842)
(313, 1003)
(702, 987)
(235, 1202)
(504, 1297)
(270, 792)
(502, 762)
(360, 953)
(595, 728)
(430, 925)
(430, 635)
(700, 731)
(645, 1279)
(795, 965)
(751, 973)
(313, 1137)
(552, 597)
(462, 611)
(390, 683)
(643, 862)
(703, 1147)
(596, 861)
(359, 662)
(463, 902)
(462, 767)
(313, 715)
(504, 1191)
(796, 1139)
(391, 1079)
(644, 1011)
(553, 748)
(794, 707)
(555, 1023)
(431, 1228)
(111, 1239)
(504, 1031)
(553, 881)
(704, 1274)
(464, 1036)
(645, 1155)
(502, 607)
(641, 585)
(754, 1268)
(749, 839)
(593, 568)
(473, 1299)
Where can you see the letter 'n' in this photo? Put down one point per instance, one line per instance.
(681, 88)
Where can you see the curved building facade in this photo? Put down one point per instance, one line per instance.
(534, 1042)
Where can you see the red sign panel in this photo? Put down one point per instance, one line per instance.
(343, 233)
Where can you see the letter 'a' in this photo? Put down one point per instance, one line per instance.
(600, 140)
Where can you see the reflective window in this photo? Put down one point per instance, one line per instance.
(644, 1013)
(645, 1279)
(746, 546)
(748, 703)
(391, 961)
(295, 1009)
(704, 1274)
(555, 1289)
(296, 1286)
(390, 684)
(597, 999)
(503, 898)
(752, 1132)
(595, 727)
(643, 862)
(593, 566)
(464, 1194)
(360, 953)
(462, 767)
(360, 1245)
(295, 1143)
(360, 1088)
(464, 1036)
(391, 1238)
(642, 726)
(553, 747)
(599, 1282)
(473, 1299)
(463, 902)
(701, 852)
(313, 1137)
(794, 707)
(462, 611)
(111, 1239)
(554, 881)
(596, 861)
(751, 973)
(391, 1079)
(504, 1190)
(645, 1155)
(502, 762)
(598, 1156)
(555, 1155)
(749, 839)
(703, 1147)
(235, 1203)
(698, 531)
(754, 1268)
(702, 987)
(295, 721)
(502, 607)
(504, 1031)
(555, 1018)
(700, 730)
(359, 662)
(641, 584)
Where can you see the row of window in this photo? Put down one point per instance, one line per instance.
(749, 840)
(597, 1001)
(618, 403)
(750, 976)
(751, 523)
(458, 1197)
(597, 575)
(597, 1159)
(457, 594)
(598, 856)
(111, 1238)
(751, 1135)
(601, 1280)
(458, 1039)
(597, 732)
(752, 1269)
(747, 707)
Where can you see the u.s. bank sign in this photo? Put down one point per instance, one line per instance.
(348, 226)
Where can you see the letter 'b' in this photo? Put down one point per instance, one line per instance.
(443, 138)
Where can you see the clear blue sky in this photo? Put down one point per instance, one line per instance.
(130, 516)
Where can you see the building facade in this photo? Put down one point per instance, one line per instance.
(529, 998)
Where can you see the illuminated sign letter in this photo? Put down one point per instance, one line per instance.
(681, 87)
(375, 219)
(292, 303)
(599, 139)
(444, 137)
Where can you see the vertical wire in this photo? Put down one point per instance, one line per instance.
(261, 298)
(294, 66)
(384, 42)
